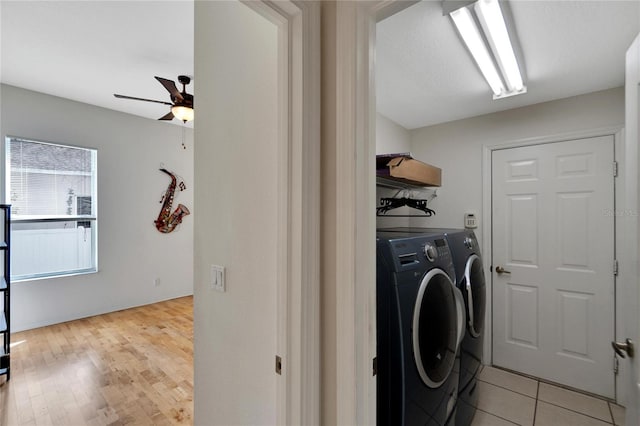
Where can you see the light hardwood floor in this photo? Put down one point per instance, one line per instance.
(128, 367)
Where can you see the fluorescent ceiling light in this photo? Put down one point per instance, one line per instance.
(472, 37)
(492, 22)
(495, 30)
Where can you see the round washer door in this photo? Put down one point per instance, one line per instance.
(435, 328)
(475, 295)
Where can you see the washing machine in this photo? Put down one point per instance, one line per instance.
(469, 271)
(420, 325)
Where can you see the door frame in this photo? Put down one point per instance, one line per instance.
(348, 202)
(298, 256)
(630, 265)
(619, 196)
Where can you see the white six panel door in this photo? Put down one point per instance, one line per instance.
(553, 232)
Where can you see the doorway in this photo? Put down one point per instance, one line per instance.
(356, 43)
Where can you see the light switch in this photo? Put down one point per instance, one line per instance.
(217, 278)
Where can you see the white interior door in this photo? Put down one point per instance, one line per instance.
(553, 236)
(630, 271)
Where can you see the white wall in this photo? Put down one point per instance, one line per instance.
(131, 252)
(391, 138)
(456, 147)
(236, 173)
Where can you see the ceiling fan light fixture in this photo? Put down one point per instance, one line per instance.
(181, 102)
(183, 113)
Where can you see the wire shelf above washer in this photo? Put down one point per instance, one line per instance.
(389, 182)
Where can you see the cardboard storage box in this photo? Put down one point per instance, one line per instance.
(404, 168)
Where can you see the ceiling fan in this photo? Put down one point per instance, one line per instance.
(181, 102)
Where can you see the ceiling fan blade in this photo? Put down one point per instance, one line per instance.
(170, 85)
(169, 116)
(141, 99)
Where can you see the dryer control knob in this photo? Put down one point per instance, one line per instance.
(431, 252)
(468, 242)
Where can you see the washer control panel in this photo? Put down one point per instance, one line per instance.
(431, 252)
(436, 249)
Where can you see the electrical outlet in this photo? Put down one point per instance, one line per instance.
(156, 282)
(217, 278)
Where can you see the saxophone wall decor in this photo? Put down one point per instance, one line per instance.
(168, 221)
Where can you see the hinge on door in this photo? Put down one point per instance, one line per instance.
(615, 266)
(375, 366)
(615, 169)
(278, 365)
(616, 365)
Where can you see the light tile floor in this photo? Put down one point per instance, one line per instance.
(507, 399)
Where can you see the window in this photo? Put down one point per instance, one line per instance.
(52, 190)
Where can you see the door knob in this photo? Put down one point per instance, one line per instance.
(501, 270)
(621, 348)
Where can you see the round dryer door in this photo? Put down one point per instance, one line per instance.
(435, 328)
(475, 295)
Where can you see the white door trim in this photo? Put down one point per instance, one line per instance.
(620, 184)
(298, 270)
(348, 202)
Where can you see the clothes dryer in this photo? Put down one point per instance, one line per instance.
(470, 276)
(471, 282)
(420, 315)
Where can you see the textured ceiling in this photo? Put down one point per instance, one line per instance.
(88, 50)
(424, 74)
